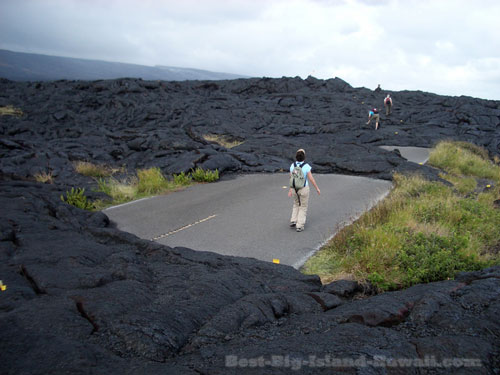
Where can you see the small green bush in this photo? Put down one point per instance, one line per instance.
(182, 179)
(200, 175)
(77, 198)
(427, 258)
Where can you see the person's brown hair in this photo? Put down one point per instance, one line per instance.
(300, 155)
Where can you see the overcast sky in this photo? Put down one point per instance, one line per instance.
(449, 47)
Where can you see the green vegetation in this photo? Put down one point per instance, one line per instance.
(464, 159)
(200, 175)
(76, 197)
(10, 111)
(151, 181)
(92, 170)
(423, 231)
(44, 177)
(183, 179)
(147, 182)
(223, 140)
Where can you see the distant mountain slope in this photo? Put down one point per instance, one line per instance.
(18, 66)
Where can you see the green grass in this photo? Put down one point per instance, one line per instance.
(76, 197)
(464, 159)
(151, 181)
(423, 231)
(200, 175)
(147, 182)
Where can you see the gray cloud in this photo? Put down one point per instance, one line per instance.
(448, 47)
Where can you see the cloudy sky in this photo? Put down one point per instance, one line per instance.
(449, 47)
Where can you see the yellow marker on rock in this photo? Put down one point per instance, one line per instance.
(2, 286)
(488, 186)
(277, 261)
(395, 132)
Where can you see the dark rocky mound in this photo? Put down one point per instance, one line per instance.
(83, 297)
(137, 124)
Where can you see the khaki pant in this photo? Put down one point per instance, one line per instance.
(299, 212)
(388, 107)
(376, 116)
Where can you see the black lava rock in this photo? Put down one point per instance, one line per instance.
(83, 297)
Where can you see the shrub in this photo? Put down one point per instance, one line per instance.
(77, 198)
(182, 179)
(200, 175)
(427, 258)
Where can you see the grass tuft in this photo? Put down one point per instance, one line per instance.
(44, 177)
(92, 170)
(223, 140)
(10, 111)
(151, 181)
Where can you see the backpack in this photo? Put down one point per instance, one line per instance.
(297, 179)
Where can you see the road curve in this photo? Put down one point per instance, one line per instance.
(249, 215)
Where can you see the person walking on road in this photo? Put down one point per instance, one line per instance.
(388, 105)
(373, 114)
(300, 176)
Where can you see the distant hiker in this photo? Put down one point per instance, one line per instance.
(388, 105)
(373, 114)
(378, 89)
(300, 175)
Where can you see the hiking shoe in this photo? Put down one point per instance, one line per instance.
(300, 229)
(292, 224)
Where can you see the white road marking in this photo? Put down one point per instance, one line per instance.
(127, 203)
(182, 228)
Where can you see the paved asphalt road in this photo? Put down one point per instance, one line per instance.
(249, 215)
(417, 155)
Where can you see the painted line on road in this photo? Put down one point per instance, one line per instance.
(126, 204)
(182, 228)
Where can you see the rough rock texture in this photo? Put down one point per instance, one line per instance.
(137, 124)
(85, 298)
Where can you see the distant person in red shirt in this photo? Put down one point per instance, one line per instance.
(388, 105)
